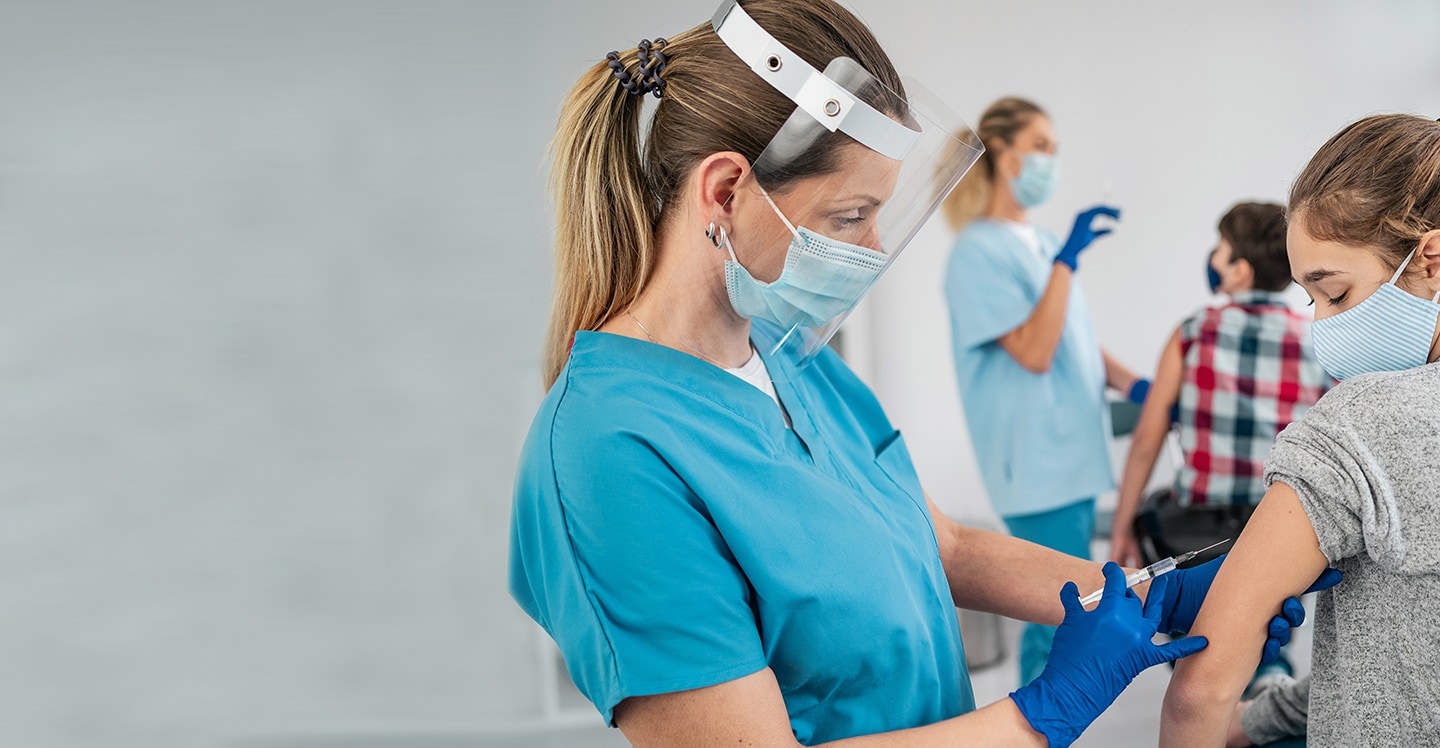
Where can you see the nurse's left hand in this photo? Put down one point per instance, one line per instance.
(1187, 591)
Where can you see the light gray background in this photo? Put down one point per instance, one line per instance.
(273, 278)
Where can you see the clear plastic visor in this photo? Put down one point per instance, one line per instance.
(820, 216)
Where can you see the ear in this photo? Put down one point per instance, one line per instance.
(1246, 272)
(714, 182)
(1428, 258)
(998, 151)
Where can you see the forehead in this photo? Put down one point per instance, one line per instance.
(1039, 126)
(1308, 254)
(1305, 251)
(857, 169)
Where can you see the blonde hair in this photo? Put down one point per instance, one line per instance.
(1376, 183)
(1000, 122)
(610, 196)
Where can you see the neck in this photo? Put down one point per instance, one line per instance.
(684, 304)
(1003, 205)
(1435, 347)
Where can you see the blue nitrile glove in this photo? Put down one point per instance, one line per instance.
(1095, 656)
(1083, 233)
(1292, 614)
(1187, 592)
(1138, 391)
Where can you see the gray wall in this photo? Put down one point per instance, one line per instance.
(273, 278)
(270, 307)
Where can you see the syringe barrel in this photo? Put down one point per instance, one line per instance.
(1163, 566)
(1138, 576)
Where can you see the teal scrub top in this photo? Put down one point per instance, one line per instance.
(670, 533)
(1042, 440)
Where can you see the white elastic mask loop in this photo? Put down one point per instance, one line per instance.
(1395, 279)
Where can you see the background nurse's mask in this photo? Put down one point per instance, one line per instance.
(1038, 178)
(822, 279)
(1391, 331)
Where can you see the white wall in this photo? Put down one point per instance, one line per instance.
(1183, 109)
(275, 273)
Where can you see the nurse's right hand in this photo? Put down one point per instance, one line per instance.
(1083, 233)
(1095, 656)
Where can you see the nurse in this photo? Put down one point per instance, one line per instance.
(1032, 375)
(713, 517)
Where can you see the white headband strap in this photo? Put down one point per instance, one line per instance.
(822, 98)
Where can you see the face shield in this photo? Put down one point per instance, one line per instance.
(837, 194)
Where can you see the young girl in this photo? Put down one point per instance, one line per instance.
(1356, 482)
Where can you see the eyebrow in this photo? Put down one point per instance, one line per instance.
(874, 201)
(1315, 276)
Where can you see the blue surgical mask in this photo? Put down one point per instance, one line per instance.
(1039, 176)
(1213, 277)
(822, 279)
(1389, 331)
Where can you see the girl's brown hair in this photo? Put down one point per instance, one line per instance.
(1376, 183)
(610, 196)
(1001, 121)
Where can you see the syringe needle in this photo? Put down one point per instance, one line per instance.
(1182, 558)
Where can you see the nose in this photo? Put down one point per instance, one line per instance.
(871, 240)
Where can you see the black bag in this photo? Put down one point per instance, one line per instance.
(1163, 528)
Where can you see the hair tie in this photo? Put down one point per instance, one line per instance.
(652, 64)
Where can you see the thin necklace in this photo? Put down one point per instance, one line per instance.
(643, 328)
(646, 330)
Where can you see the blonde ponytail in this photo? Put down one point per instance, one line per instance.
(605, 217)
(1000, 122)
(971, 196)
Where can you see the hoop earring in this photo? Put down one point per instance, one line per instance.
(716, 235)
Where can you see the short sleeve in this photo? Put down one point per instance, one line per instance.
(660, 604)
(986, 290)
(1189, 331)
(1337, 479)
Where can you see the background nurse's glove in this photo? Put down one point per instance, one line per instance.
(1188, 589)
(1095, 656)
(1083, 233)
(1138, 391)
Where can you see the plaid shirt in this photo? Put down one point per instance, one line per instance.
(1249, 371)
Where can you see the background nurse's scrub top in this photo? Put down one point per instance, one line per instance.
(670, 533)
(1042, 440)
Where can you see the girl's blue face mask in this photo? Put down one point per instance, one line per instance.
(1390, 331)
(822, 279)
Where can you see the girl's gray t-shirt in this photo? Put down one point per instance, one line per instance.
(1365, 462)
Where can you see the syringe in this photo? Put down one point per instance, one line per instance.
(1163, 566)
